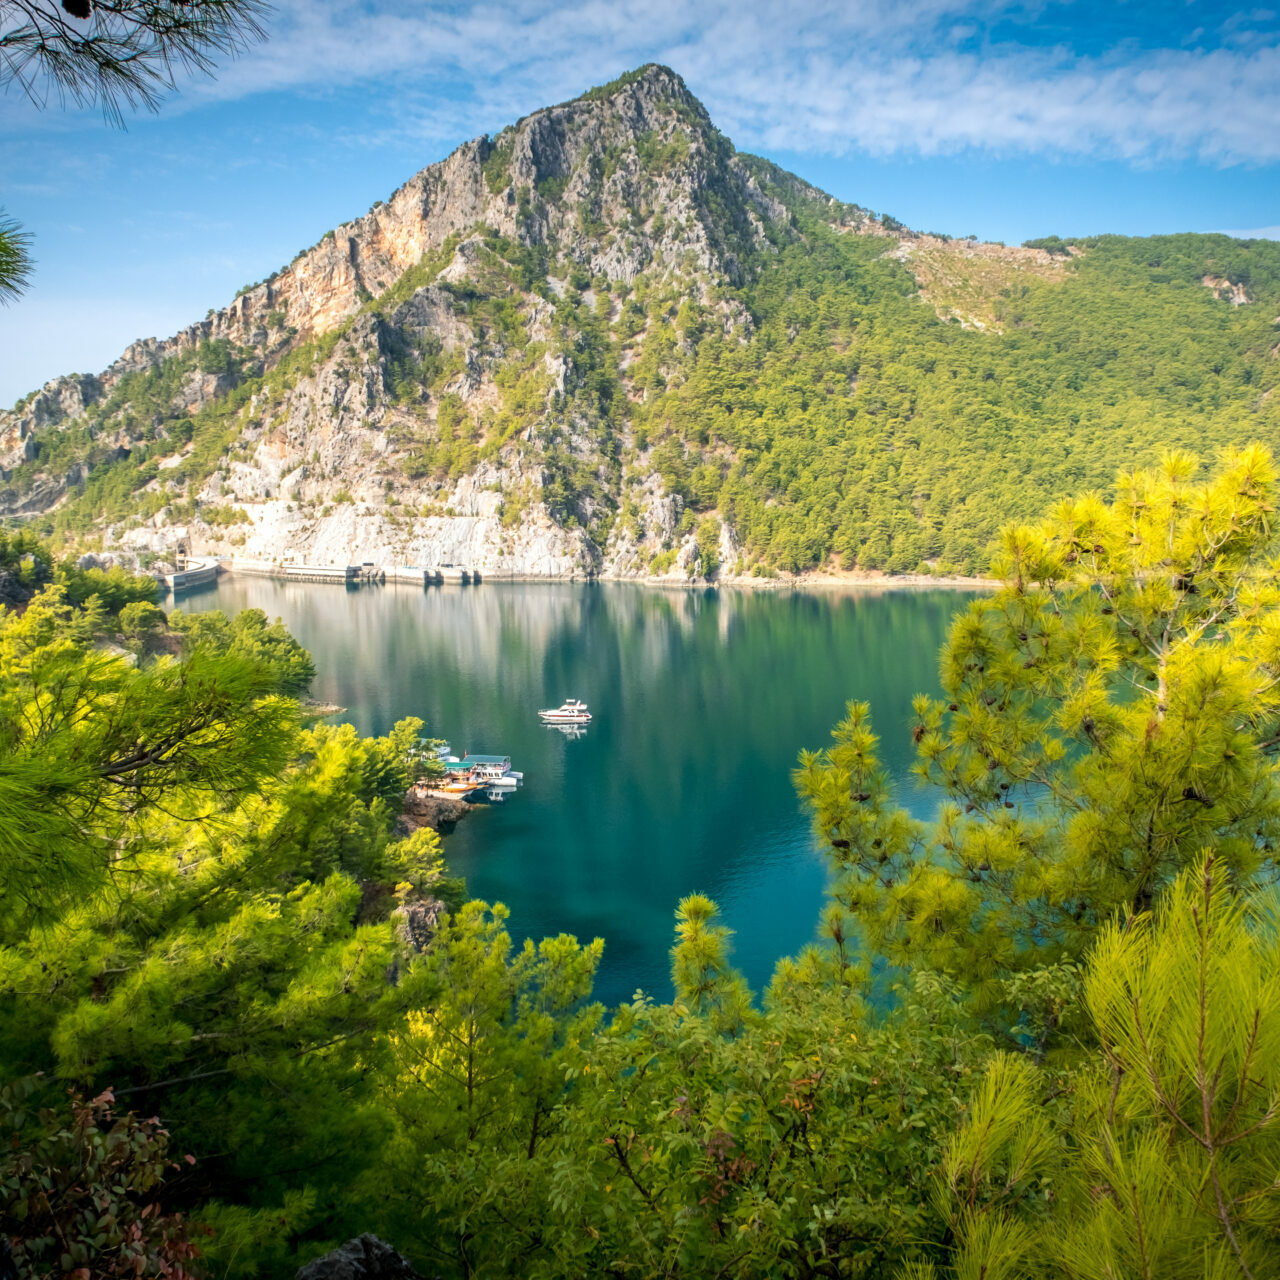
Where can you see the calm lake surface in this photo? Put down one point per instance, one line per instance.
(701, 699)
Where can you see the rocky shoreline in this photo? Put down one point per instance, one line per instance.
(440, 813)
(312, 710)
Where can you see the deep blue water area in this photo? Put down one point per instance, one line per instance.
(701, 701)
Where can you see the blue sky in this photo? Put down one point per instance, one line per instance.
(1008, 120)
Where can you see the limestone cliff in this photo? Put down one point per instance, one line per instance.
(431, 383)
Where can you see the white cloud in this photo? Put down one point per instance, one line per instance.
(829, 77)
(1255, 233)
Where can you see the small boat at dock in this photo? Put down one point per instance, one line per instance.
(470, 776)
(571, 711)
(453, 788)
(493, 771)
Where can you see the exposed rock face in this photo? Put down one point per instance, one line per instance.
(14, 592)
(416, 923)
(364, 1258)
(424, 385)
(44, 492)
(58, 401)
(1224, 289)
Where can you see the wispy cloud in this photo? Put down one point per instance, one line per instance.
(1255, 233)
(1138, 81)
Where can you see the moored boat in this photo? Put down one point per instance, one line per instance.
(450, 789)
(493, 771)
(468, 777)
(571, 711)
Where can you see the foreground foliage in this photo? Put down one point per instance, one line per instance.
(1164, 1165)
(82, 1199)
(1039, 1037)
(1107, 715)
(196, 892)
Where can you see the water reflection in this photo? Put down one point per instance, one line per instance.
(701, 699)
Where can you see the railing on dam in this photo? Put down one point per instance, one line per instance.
(351, 574)
(196, 573)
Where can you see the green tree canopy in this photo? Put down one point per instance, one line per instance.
(91, 746)
(1107, 714)
(248, 635)
(1163, 1166)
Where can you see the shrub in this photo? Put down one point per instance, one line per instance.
(83, 1191)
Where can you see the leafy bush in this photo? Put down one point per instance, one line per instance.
(496, 162)
(140, 622)
(220, 517)
(216, 356)
(79, 1191)
(115, 587)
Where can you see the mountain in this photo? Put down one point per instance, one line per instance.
(605, 342)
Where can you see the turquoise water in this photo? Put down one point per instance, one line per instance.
(701, 699)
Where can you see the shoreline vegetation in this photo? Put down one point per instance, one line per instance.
(822, 581)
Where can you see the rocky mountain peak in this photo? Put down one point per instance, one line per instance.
(632, 176)
(452, 376)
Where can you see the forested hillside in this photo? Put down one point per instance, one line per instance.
(605, 342)
(856, 422)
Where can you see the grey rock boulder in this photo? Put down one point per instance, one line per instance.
(416, 923)
(364, 1258)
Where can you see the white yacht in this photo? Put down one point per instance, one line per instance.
(571, 711)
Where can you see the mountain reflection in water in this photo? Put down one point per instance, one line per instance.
(681, 783)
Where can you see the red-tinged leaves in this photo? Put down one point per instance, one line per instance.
(89, 1185)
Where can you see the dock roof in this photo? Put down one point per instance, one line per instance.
(470, 759)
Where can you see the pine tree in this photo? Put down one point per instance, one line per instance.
(1108, 713)
(1163, 1166)
(92, 745)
